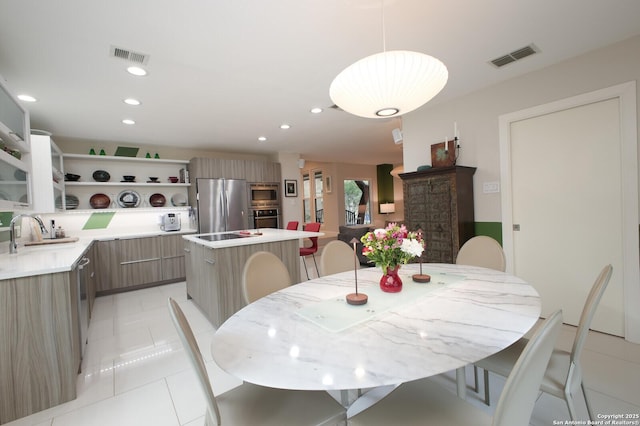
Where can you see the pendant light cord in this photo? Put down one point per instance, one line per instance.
(384, 36)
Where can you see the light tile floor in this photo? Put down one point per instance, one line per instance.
(135, 371)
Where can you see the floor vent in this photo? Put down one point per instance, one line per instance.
(128, 55)
(514, 56)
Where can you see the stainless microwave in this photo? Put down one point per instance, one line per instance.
(264, 194)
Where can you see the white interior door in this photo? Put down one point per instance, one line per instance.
(566, 200)
(568, 193)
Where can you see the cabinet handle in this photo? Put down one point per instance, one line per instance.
(84, 262)
(140, 261)
(210, 261)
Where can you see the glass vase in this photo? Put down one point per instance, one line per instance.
(390, 281)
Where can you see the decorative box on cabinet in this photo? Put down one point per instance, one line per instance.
(440, 202)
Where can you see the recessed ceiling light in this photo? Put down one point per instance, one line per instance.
(131, 101)
(285, 126)
(316, 110)
(262, 138)
(136, 71)
(128, 121)
(27, 98)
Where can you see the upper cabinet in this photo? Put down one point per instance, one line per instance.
(15, 189)
(47, 174)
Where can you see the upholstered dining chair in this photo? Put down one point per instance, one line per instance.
(263, 273)
(336, 257)
(250, 404)
(482, 251)
(486, 252)
(564, 374)
(424, 402)
(306, 251)
(292, 225)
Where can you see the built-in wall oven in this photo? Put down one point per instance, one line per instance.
(264, 195)
(266, 218)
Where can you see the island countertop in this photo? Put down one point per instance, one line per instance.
(248, 237)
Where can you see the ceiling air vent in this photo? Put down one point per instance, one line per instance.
(514, 56)
(128, 55)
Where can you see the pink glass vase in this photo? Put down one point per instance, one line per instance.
(391, 282)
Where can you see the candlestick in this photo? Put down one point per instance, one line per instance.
(420, 278)
(446, 145)
(356, 298)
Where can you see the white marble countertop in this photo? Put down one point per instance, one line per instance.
(52, 258)
(249, 237)
(270, 343)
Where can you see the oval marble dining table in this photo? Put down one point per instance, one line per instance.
(306, 337)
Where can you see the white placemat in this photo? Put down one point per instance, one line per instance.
(336, 314)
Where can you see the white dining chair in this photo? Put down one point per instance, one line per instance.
(424, 402)
(250, 404)
(486, 252)
(482, 251)
(564, 374)
(336, 257)
(263, 273)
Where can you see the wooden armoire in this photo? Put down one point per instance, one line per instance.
(439, 201)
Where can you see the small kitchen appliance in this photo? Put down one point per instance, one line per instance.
(170, 222)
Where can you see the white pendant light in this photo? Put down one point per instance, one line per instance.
(389, 83)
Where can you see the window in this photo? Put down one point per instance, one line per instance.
(356, 202)
(312, 197)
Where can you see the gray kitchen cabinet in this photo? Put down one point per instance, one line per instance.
(173, 257)
(107, 266)
(249, 170)
(140, 261)
(214, 275)
(132, 263)
(39, 343)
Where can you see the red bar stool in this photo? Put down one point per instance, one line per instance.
(293, 225)
(306, 251)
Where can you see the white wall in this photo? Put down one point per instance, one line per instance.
(477, 114)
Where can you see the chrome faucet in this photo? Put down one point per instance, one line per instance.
(13, 247)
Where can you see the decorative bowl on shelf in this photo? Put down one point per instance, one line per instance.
(100, 201)
(20, 175)
(128, 199)
(153, 180)
(70, 177)
(178, 200)
(157, 200)
(128, 178)
(173, 179)
(71, 202)
(101, 176)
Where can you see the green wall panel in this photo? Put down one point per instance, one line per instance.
(490, 229)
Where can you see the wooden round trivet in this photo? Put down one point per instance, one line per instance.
(357, 298)
(421, 278)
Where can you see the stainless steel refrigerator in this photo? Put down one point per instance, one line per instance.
(222, 205)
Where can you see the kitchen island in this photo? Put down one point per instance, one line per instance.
(214, 264)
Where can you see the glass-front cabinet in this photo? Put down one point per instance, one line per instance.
(15, 188)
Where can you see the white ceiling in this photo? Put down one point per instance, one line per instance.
(223, 72)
